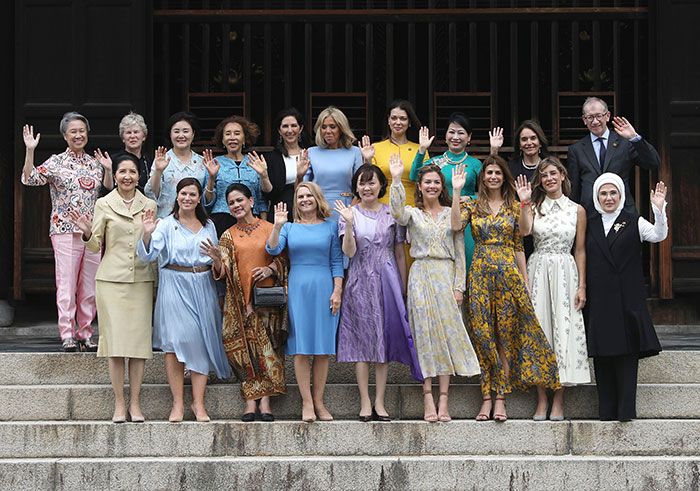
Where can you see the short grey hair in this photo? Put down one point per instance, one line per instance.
(68, 118)
(591, 100)
(132, 119)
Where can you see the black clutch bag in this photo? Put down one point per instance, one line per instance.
(269, 296)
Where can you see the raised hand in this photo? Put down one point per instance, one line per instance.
(523, 188)
(424, 139)
(367, 149)
(623, 127)
(208, 248)
(280, 214)
(30, 141)
(496, 137)
(161, 159)
(396, 166)
(82, 222)
(257, 163)
(303, 164)
(149, 221)
(344, 211)
(658, 195)
(104, 159)
(459, 178)
(210, 163)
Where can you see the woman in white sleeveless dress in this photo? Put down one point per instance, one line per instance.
(557, 280)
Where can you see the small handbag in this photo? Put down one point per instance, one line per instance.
(269, 296)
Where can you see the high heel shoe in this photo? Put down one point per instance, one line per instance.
(136, 419)
(482, 416)
(444, 418)
(199, 417)
(500, 417)
(427, 416)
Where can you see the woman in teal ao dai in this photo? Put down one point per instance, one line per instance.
(457, 137)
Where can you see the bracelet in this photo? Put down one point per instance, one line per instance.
(524, 204)
(581, 287)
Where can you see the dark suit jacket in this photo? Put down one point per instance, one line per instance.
(621, 156)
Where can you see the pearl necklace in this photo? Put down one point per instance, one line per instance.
(456, 162)
(530, 167)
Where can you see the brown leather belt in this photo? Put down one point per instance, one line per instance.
(188, 269)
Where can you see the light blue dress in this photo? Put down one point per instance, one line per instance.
(316, 258)
(187, 319)
(229, 173)
(173, 173)
(332, 170)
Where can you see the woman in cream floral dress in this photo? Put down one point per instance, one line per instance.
(435, 285)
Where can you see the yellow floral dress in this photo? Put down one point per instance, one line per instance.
(500, 310)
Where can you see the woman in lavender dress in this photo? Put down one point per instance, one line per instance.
(374, 324)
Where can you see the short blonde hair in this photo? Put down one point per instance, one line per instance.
(347, 138)
(132, 119)
(323, 209)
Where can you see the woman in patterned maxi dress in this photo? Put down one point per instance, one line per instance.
(435, 285)
(557, 281)
(512, 348)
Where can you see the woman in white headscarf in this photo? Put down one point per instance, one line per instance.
(619, 329)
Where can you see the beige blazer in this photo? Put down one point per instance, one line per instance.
(118, 229)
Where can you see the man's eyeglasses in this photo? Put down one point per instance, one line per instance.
(599, 117)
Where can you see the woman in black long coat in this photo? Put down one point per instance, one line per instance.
(619, 329)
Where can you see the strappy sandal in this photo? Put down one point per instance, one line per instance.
(430, 418)
(482, 416)
(500, 417)
(444, 418)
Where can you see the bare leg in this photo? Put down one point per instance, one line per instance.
(381, 372)
(250, 406)
(265, 405)
(136, 369)
(443, 403)
(175, 372)
(199, 387)
(429, 413)
(320, 368)
(558, 405)
(542, 402)
(362, 374)
(302, 370)
(499, 407)
(116, 376)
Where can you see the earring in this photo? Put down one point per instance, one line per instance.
(280, 140)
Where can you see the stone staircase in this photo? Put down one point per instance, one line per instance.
(55, 433)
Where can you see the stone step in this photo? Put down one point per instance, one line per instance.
(95, 402)
(44, 439)
(507, 472)
(669, 367)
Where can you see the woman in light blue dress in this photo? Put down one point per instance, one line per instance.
(334, 159)
(315, 290)
(187, 319)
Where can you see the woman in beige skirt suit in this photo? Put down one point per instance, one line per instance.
(124, 284)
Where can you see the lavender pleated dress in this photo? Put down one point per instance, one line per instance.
(373, 321)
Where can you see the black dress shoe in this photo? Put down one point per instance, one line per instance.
(365, 419)
(248, 417)
(267, 417)
(379, 417)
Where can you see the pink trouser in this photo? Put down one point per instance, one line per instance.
(75, 285)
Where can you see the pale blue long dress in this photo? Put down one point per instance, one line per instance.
(187, 318)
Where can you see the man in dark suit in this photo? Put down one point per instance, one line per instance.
(605, 151)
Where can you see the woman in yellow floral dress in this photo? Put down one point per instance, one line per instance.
(512, 348)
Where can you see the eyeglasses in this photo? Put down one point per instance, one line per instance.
(599, 117)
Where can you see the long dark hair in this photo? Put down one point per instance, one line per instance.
(443, 199)
(414, 122)
(507, 188)
(538, 192)
(199, 211)
(303, 138)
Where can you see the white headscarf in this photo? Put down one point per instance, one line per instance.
(615, 180)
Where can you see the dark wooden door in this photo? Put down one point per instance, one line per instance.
(679, 118)
(84, 55)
